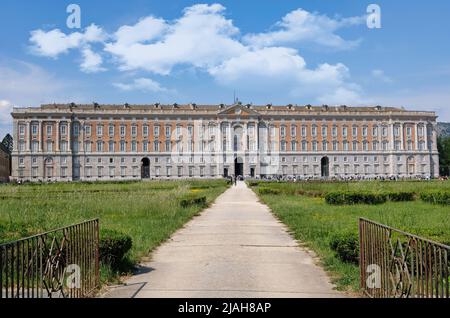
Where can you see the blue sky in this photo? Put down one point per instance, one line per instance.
(280, 52)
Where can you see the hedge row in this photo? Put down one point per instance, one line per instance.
(346, 246)
(113, 247)
(190, 200)
(269, 191)
(347, 197)
(436, 197)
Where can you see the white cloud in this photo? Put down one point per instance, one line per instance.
(202, 38)
(300, 26)
(141, 84)
(54, 42)
(147, 29)
(380, 75)
(282, 69)
(92, 61)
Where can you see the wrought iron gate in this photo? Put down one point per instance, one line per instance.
(61, 263)
(397, 264)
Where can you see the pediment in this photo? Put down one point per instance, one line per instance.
(238, 110)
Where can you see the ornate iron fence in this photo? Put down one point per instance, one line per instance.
(63, 263)
(396, 264)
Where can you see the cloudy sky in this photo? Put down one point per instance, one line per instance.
(280, 52)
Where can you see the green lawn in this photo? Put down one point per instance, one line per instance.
(314, 222)
(148, 211)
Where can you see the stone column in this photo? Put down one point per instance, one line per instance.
(28, 136)
(391, 126)
(434, 137)
(57, 135)
(425, 135)
(416, 136)
(41, 135)
(69, 136)
(402, 136)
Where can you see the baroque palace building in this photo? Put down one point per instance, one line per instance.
(113, 142)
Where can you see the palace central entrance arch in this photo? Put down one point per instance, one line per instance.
(325, 167)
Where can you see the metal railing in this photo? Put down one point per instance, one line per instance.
(397, 264)
(63, 263)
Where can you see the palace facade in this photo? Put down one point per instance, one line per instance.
(116, 142)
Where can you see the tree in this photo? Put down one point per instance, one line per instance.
(444, 155)
(8, 143)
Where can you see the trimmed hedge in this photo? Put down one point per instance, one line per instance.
(113, 247)
(346, 246)
(190, 200)
(341, 198)
(269, 191)
(401, 196)
(436, 197)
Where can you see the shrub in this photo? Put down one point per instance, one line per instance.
(113, 247)
(269, 191)
(253, 184)
(190, 200)
(346, 246)
(436, 197)
(340, 198)
(401, 196)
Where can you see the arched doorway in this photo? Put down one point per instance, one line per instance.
(145, 168)
(238, 167)
(325, 167)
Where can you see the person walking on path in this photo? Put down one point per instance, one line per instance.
(235, 180)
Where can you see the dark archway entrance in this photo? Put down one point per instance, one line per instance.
(325, 167)
(225, 172)
(145, 168)
(238, 167)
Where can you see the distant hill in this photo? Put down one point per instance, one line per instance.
(443, 129)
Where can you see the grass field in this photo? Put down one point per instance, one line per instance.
(315, 222)
(148, 211)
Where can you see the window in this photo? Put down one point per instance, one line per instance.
(111, 130)
(335, 146)
(87, 130)
(134, 146)
(156, 131)
(324, 131)
(63, 129)
(190, 131)
(293, 146)
(384, 131)
(283, 145)
(334, 131)
(397, 145)
(422, 146)
(314, 146)
(385, 145)
(111, 146)
(123, 171)
(168, 146)
(99, 130)
(420, 131)
(304, 131)
(87, 146)
(375, 146)
(344, 131)
(145, 146)
(283, 131)
(168, 131)
(112, 172)
(364, 131)
(99, 146)
(156, 146)
(324, 146)
(396, 131)
(122, 146)
(145, 131)
(345, 145)
(100, 172)
(49, 146)
(64, 172)
(410, 147)
(354, 145)
(375, 131)
(21, 146)
(134, 130)
(35, 146)
(21, 161)
(354, 131)
(168, 171)
(22, 130)
(314, 131)
(34, 130)
(49, 129)
(408, 131)
(304, 146)
(122, 130)
(293, 130)
(64, 160)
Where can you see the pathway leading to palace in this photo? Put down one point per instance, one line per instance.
(235, 248)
